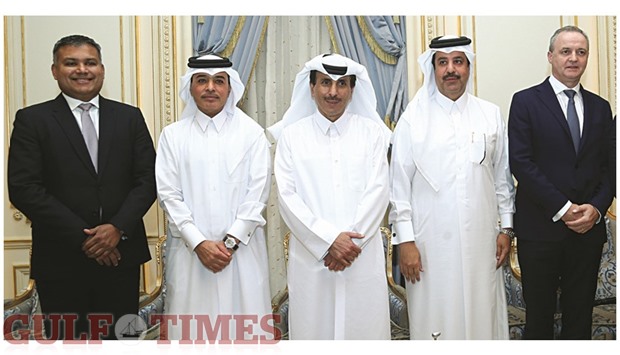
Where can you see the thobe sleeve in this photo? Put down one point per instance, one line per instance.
(402, 170)
(249, 213)
(315, 233)
(170, 191)
(375, 198)
(504, 184)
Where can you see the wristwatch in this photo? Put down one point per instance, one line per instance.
(230, 243)
(509, 232)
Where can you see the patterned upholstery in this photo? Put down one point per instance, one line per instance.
(153, 303)
(604, 313)
(26, 303)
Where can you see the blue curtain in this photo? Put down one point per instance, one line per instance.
(237, 37)
(378, 43)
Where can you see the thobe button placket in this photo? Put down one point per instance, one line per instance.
(335, 153)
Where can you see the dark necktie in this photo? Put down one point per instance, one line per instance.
(573, 120)
(89, 133)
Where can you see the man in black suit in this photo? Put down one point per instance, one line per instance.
(88, 237)
(563, 189)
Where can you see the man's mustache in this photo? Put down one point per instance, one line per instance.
(448, 76)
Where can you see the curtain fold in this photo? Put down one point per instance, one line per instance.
(378, 43)
(237, 37)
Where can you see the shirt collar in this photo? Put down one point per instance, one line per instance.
(559, 88)
(218, 120)
(74, 103)
(324, 124)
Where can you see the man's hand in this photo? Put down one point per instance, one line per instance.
(343, 251)
(101, 241)
(110, 259)
(584, 218)
(503, 248)
(332, 264)
(213, 255)
(410, 261)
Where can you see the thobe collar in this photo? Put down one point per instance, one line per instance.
(204, 121)
(447, 105)
(324, 124)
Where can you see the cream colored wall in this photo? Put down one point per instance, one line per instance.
(511, 51)
(145, 56)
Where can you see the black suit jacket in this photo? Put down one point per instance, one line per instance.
(548, 171)
(52, 180)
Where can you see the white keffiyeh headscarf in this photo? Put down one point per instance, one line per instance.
(363, 101)
(210, 64)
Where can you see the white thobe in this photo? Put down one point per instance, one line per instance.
(213, 178)
(454, 220)
(333, 178)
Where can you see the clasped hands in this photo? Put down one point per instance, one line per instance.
(100, 244)
(342, 252)
(213, 255)
(581, 218)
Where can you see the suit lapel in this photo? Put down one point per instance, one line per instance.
(549, 99)
(107, 127)
(66, 120)
(589, 117)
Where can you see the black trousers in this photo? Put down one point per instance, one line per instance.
(92, 302)
(572, 266)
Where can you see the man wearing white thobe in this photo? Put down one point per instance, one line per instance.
(332, 176)
(450, 186)
(213, 172)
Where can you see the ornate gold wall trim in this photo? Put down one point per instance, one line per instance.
(614, 34)
(137, 63)
(375, 47)
(122, 59)
(22, 24)
(17, 243)
(20, 272)
(168, 61)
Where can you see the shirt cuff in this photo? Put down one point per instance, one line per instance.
(402, 232)
(326, 233)
(242, 230)
(192, 236)
(562, 211)
(506, 220)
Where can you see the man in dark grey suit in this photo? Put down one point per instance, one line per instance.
(563, 189)
(88, 237)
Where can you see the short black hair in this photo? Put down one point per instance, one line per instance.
(313, 78)
(76, 41)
